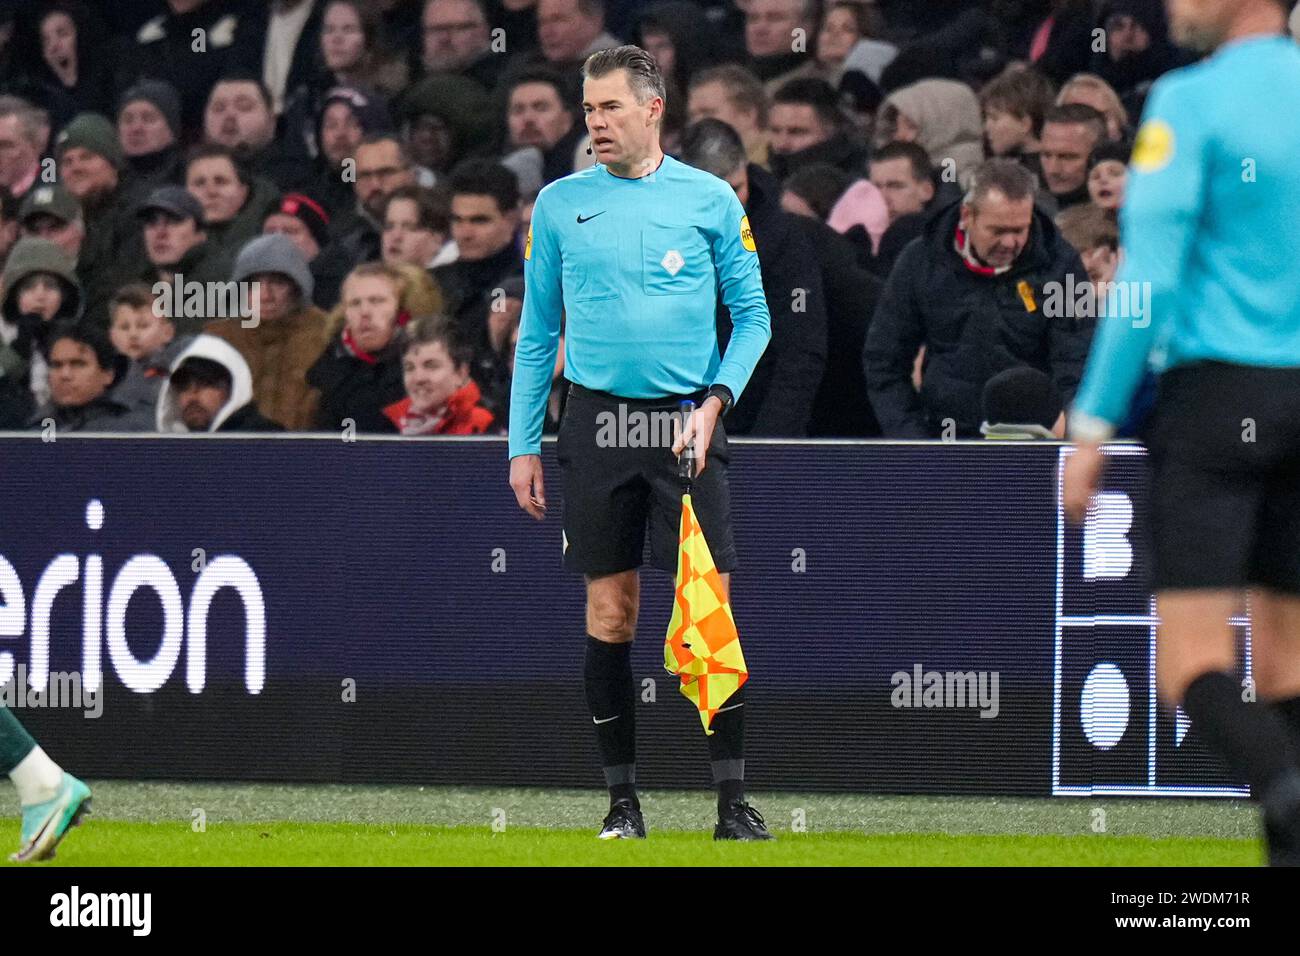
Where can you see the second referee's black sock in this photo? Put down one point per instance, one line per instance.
(1253, 741)
(727, 749)
(611, 697)
(1289, 710)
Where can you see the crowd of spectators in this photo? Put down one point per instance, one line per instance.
(309, 215)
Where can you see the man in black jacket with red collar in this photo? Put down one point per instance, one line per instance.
(989, 285)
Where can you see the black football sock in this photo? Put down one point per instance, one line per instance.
(611, 697)
(1253, 741)
(727, 749)
(1289, 710)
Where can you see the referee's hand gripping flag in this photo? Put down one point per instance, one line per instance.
(702, 646)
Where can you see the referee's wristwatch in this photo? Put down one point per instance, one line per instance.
(722, 394)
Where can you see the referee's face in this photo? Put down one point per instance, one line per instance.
(624, 133)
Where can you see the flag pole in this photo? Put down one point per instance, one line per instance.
(686, 460)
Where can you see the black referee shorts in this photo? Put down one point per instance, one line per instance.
(1225, 495)
(620, 475)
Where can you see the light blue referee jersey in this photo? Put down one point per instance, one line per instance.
(635, 268)
(1211, 220)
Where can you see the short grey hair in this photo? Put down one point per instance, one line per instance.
(1005, 176)
(713, 146)
(35, 122)
(643, 74)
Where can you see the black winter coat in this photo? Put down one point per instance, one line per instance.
(973, 327)
(353, 388)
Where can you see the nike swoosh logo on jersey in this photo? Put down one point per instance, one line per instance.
(589, 218)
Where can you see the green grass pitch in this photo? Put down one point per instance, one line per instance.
(290, 825)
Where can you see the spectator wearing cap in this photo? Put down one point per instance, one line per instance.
(443, 120)
(91, 164)
(210, 389)
(289, 335)
(334, 130)
(1022, 404)
(780, 394)
(736, 96)
(149, 129)
(239, 116)
(974, 291)
(176, 245)
(53, 213)
(1070, 134)
(24, 134)
(538, 118)
(307, 224)
(39, 290)
(234, 201)
(360, 372)
(456, 39)
(1108, 176)
(417, 228)
(485, 225)
(83, 367)
(164, 48)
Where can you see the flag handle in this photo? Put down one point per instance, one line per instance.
(686, 460)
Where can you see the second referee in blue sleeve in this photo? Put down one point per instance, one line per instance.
(633, 255)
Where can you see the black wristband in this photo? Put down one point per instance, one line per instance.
(722, 394)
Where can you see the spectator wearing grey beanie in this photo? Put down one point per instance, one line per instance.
(286, 335)
(149, 129)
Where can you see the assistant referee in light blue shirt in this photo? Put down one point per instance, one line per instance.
(632, 256)
(1212, 248)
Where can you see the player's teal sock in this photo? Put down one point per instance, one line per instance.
(611, 697)
(15, 742)
(727, 749)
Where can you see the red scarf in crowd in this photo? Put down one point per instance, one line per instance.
(356, 351)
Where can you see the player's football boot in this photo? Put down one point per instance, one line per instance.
(45, 824)
(623, 822)
(1281, 806)
(739, 821)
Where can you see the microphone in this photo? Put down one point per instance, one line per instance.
(588, 150)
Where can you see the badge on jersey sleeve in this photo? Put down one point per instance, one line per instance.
(746, 236)
(528, 243)
(1154, 148)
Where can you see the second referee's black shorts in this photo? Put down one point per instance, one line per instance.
(615, 488)
(1225, 493)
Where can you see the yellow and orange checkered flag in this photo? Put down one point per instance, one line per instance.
(702, 646)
